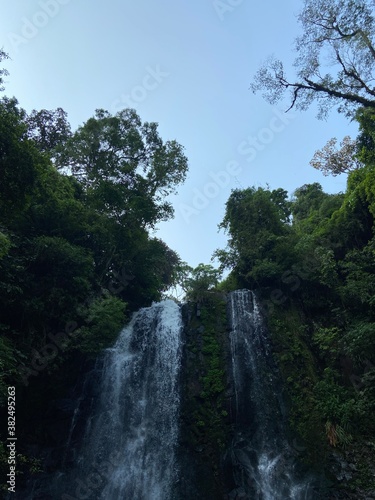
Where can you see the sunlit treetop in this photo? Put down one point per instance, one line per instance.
(334, 63)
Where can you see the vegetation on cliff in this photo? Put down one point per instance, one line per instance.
(76, 253)
(312, 257)
(77, 256)
(205, 408)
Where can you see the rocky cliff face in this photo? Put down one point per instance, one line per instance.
(205, 400)
(233, 425)
(233, 442)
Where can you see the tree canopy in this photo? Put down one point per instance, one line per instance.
(125, 167)
(332, 161)
(257, 221)
(49, 129)
(334, 63)
(196, 282)
(74, 242)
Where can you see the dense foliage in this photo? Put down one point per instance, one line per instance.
(198, 282)
(76, 253)
(312, 260)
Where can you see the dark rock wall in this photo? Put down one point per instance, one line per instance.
(206, 418)
(205, 396)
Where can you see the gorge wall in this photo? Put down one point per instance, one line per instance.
(234, 425)
(195, 398)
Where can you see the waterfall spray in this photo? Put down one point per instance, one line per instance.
(262, 461)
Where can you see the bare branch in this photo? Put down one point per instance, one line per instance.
(344, 31)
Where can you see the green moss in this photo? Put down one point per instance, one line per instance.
(204, 413)
(362, 456)
(300, 373)
(325, 411)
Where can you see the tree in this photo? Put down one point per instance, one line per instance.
(332, 161)
(153, 270)
(3, 72)
(311, 204)
(20, 160)
(48, 129)
(366, 138)
(105, 317)
(58, 246)
(126, 168)
(200, 280)
(338, 34)
(358, 270)
(257, 222)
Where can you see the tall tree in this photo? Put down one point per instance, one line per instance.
(308, 199)
(198, 281)
(257, 222)
(19, 160)
(366, 138)
(126, 168)
(339, 35)
(49, 129)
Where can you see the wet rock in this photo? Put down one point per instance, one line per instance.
(341, 468)
(238, 494)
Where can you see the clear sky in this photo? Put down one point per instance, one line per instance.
(187, 66)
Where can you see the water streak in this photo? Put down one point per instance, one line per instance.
(129, 443)
(262, 461)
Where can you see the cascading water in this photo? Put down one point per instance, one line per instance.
(262, 462)
(128, 448)
(124, 438)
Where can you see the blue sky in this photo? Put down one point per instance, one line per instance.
(187, 66)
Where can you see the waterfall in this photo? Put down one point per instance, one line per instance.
(262, 462)
(128, 447)
(124, 441)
